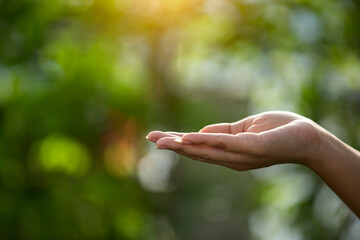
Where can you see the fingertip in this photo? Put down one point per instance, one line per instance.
(206, 129)
(155, 132)
(161, 144)
(165, 141)
(152, 136)
(152, 140)
(149, 135)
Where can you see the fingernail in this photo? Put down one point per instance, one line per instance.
(161, 147)
(179, 140)
(150, 139)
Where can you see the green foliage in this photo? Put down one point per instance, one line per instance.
(82, 81)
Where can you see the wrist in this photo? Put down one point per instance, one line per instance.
(323, 146)
(338, 165)
(329, 150)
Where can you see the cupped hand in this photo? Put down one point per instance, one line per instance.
(254, 142)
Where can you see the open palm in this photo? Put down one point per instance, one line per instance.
(257, 141)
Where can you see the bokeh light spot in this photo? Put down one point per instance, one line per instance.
(63, 154)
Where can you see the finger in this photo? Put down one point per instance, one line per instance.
(179, 134)
(229, 165)
(211, 155)
(154, 136)
(229, 128)
(199, 151)
(248, 143)
(193, 157)
(233, 165)
(217, 128)
(239, 166)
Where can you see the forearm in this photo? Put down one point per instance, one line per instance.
(339, 166)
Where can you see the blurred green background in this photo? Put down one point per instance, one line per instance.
(83, 81)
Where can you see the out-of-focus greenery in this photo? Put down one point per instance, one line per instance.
(83, 81)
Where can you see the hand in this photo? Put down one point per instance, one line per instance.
(273, 138)
(257, 141)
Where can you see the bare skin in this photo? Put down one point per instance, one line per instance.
(268, 139)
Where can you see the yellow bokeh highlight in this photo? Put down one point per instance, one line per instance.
(162, 10)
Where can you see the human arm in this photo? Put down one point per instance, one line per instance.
(273, 138)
